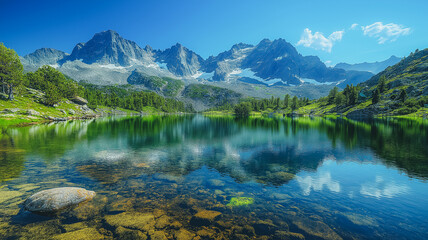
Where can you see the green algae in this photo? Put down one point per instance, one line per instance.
(240, 201)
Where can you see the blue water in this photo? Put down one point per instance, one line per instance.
(318, 177)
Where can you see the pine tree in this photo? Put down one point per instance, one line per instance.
(376, 96)
(382, 84)
(294, 103)
(286, 101)
(332, 95)
(403, 95)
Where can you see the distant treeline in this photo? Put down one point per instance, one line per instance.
(124, 97)
(273, 104)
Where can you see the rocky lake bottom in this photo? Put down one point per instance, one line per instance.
(197, 177)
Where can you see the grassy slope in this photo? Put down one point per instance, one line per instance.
(24, 103)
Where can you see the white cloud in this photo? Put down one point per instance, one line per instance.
(328, 63)
(385, 32)
(317, 183)
(319, 41)
(353, 26)
(382, 189)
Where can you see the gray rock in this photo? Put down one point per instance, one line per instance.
(11, 110)
(79, 100)
(53, 200)
(71, 111)
(32, 112)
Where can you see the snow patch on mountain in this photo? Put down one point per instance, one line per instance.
(315, 82)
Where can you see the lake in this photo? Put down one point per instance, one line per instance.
(201, 177)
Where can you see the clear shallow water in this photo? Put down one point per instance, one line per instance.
(315, 178)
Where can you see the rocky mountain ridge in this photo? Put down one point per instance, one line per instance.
(374, 67)
(108, 59)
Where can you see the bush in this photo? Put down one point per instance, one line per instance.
(242, 110)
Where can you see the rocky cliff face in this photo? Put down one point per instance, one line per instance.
(180, 60)
(42, 56)
(109, 48)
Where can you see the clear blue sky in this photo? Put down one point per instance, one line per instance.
(212, 26)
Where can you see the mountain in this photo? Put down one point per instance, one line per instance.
(411, 73)
(405, 92)
(374, 68)
(42, 56)
(107, 58)
(180, 60)
(109, 48)
(270, 63)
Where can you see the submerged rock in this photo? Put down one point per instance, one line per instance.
(183, 234)
(110, 156)
(134, 220)
(204, 217)
(55, 199)
(83, 234)
(316, 229)
(264, 228)
(128, 234)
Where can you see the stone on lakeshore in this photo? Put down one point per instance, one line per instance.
(82, 234)
(55, 199)
(133, 220)
(204, 217)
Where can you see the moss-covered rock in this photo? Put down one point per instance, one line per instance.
(133, 220)
(183, 234)
(204, 217)
(82, 234)
(129, 234)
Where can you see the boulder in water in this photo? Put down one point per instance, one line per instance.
(53, 200)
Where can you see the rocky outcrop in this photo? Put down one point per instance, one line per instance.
(53, 200)
(359, 114)
(79, 100)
